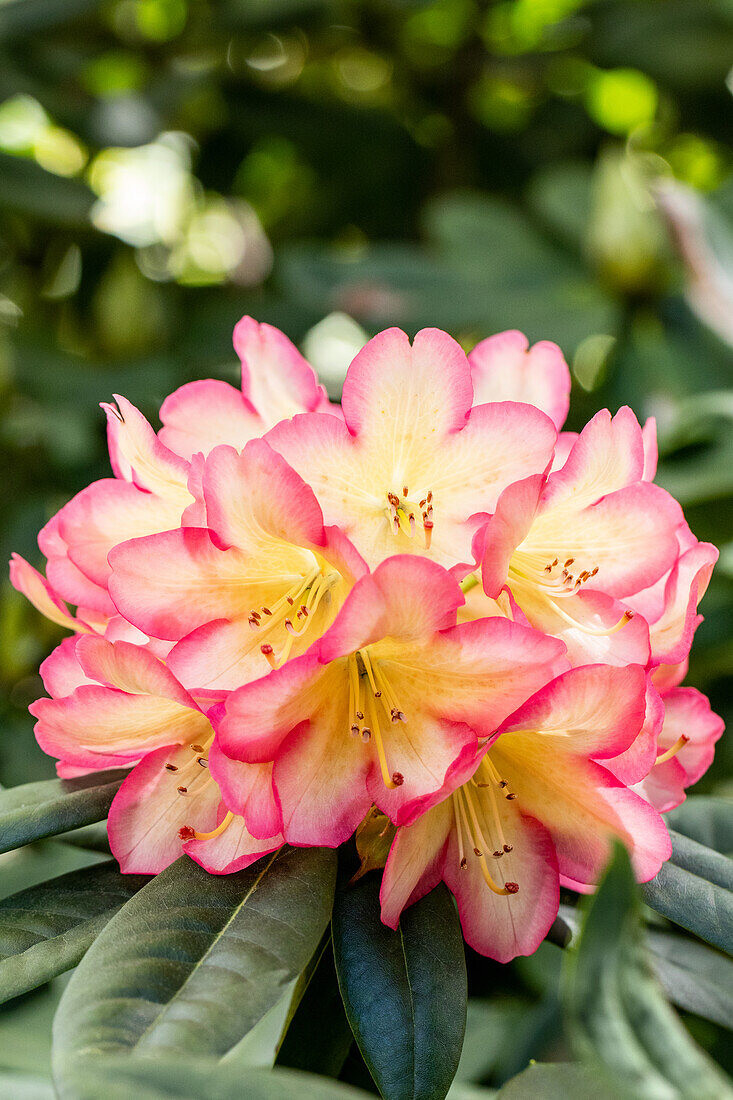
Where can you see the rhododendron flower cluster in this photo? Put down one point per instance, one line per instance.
(429, 603)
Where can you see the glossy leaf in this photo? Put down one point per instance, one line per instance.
(53, 806)
(46, 929)
(404, 990)
(318, 1036)
(194, 960)
(618, 1018)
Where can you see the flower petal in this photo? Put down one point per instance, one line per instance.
(129, 668)
(276, 379)
(106, 513)
(406, 597)
(148, 810)
(503, 927)
(607, 455)
(139, 456)
(414, 864)
(61, 672)
(596, 710)
(255, 500)
(505, 368)
(247, 790)
(415, 394)
(582, 806)
(200, 415)
(170, 583)
(97, 721)
(36, 589)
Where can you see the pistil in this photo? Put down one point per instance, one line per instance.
(672, 752)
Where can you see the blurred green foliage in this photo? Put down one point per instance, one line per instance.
(560, 166)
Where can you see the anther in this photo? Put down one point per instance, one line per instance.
(569, 562)
(254, 623)
(360, 715)
(304, 611)
(393, 499)
(354, 730)
(197, 748)
(404, 490)
(508, 848)
(366, 734)
(430, 496)
(186, 833)
(183, 790)
(267, 651)
(289, 626)
(202, 762)
(377, 695)
(422, 503)
(503, 783)
(464, 863)
(171, 768)
(266, 611)
(398, 779)
(256, 615)
(511, 796)
(497, 854)
(397, 715)
(477, 852)
(511, 887)
(290, 600)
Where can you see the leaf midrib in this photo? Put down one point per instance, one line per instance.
(154, 1023)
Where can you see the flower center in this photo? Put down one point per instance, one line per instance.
(294, 611)
(552, 582)
(370, 693)
(475, 829)
(402, 511)
(191, 778)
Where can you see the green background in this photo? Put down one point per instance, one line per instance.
(168, 165)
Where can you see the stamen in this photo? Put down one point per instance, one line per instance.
(226, 821)
(203, 762)
(672, 752)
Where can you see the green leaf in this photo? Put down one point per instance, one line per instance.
(556, 1081)
(54, 806)
(694, 889)
(196, 1079)
(194, 960)
(27, 188)
(618, 1018)
(21, 1086)
(694, 976)
(318, 1036)
(707, 820)
(46, 929)
(404, 990)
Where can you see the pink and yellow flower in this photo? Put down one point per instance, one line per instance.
(571, 547)
(383, 707)
(114, 704)
(413, 462)
(539, 807)
(253, 585)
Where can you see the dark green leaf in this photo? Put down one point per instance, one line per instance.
(618, 1018)
(693, 889)
(46, 930)
(194, 960)
(200, 1079)
(54, 806)
(404, 991)
(318, 1035)
(27, 188)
